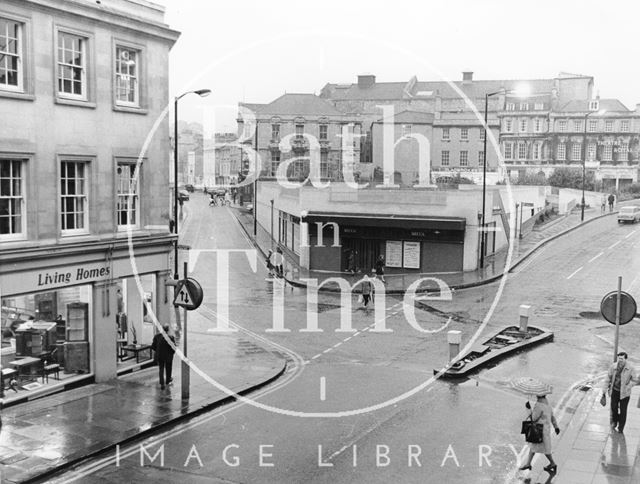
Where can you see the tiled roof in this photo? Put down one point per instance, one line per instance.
(582, 105)
(298, 105)
(409, 116)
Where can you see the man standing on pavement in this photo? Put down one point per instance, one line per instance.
(619, 383)
(611, 200)
(164, 355)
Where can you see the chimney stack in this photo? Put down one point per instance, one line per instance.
(467, 77)
(366, 80)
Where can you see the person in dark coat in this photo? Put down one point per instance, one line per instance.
(611, 199)
(380, 268)
(164, 355)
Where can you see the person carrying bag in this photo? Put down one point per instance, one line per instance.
(538, 433)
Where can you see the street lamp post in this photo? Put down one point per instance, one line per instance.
(584, 158)
(201, 93)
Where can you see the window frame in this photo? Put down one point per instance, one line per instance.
(561, 152)
(508, 145)
(273, 161)
(522, 150)
(562, 125)
(524, 106)
(592, 151)
(537, 125)
(577, 125)
(464, 134)
(536, 150)
(140, 106)
(608, 126)
(576, 151)
(20, 54)
(24, 176)
(446, 134)
(26, 66)
(323, 132)
(445, 160)
(463, 158)
(275, 130)
(607, 152)
(523, 124)
(87, 162)
(624, 126)
(87, 99)
(508, 125)
(129, 162)
(592, 127)
(510, 107)
(538, 106)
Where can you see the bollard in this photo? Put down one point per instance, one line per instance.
(525, 311)
(454, 338)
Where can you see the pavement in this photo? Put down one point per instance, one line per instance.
(44, 436)
(41, 437)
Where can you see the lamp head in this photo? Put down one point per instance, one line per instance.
(203, 92)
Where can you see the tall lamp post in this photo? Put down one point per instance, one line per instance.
(201, 93)
(584, 158)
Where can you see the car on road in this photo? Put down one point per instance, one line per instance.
(189, 187)
(183, 196)
(630, 213)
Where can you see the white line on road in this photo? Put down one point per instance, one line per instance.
(323, 388)
(574, 273)
(337, 344)
(629, 234)
(613, 245)
(594, 258)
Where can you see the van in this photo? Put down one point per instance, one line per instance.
(630, 213)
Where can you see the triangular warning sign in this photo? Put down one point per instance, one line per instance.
(183, 296)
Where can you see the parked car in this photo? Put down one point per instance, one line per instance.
(189, 187)
(630, 213)
(183, 196)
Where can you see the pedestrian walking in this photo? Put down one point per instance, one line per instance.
(234, 194)
(603, 209)
(351, 261)
(163, 352)
(380, 268)
(621, 378)
(542, 413)
(367, 289)
(611, 200)
(269, 262)
(278, 262)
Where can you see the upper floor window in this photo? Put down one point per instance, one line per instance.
(10, 55)
(275, 162)
(511, 107)
(406, 129)
(538, 106)
(508, 151)
(562, 152)
(323, 132)
(607, 153)
(299, 131)
(508, 125)
(576, 151)
(464, 158)
(464, 134)
(524, 106)
(72, 57)
(522, 151)
(446, 135)
(73, 196)
(324, 164)
(594, 105)
(480, 157)
(577, 125)
(537, 125)
(562, 125)
(591, 151)
(11, 198)
(127, 76)
(444, 161)
(483, 133)
(275, 132)
(536, 151)
(128, 203)
(593, 125)
(523, 125)
(623, 151)
(608, 126)
(624, 126)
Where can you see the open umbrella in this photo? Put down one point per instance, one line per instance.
(531, 386)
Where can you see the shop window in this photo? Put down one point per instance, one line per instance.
(11, 199)
(127, 77)
(128, 203)
(73, 197)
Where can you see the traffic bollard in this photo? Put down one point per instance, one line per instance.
(525, 311)
(454, 337)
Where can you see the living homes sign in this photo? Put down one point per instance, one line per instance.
(68, 277)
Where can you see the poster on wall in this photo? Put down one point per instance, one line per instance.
(393, 253)
(411, 255)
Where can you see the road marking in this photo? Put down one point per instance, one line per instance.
(323, 388)
(613, 245)
(347, 339)
(594, 258)
(337, 344)
(629, 234)
(574, 273)
(327, 350)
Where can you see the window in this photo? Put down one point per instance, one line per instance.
(323, 132)
(522, 151)
(523, 125)
(73, 191)
(538, 106)
(445, 158)
(127, 72)
(607, 153)
(128, 203)
(577, 125)
(299, 131)
(480, 158)
(275, 162)
(576, 151)
(624, 126)
(524, 106)
(608, 126)
(594, 105)
(562, 152)
(275, 132)
(508, 125)
(511, 107)
(591, 153)
(562, 125)
(11, 199)
(72, 80)
(508, 151)
(446, 134)
(464, 158)
(464, 134)
(537, 125)
(593, 125)
(406, 129)
(324, 164)
(10, 55)
(483, 133)
(623, 151)
(536, 151)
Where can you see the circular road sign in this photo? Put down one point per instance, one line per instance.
(189, 294)
(628, 307)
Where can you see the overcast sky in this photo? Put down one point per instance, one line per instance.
(255, 51)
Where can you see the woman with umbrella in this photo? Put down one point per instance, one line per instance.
(541, 413)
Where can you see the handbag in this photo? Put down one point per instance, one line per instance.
(532, 430)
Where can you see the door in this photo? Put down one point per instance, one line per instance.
(366, 253)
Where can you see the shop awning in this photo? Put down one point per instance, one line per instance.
(400, 221)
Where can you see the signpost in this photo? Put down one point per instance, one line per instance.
(618, 307)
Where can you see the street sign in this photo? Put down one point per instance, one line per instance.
(628, 307)
(189, 294)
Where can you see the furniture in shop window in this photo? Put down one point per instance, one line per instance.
(46, 306)
(77, 327)
(136, 350)
(25, 366)
(8, 374)
(49, 366)
(76, 357)
(35, 337)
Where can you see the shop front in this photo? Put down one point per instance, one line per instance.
(407, 244)
(79, 314)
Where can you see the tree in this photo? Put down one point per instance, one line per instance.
(570, 177)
